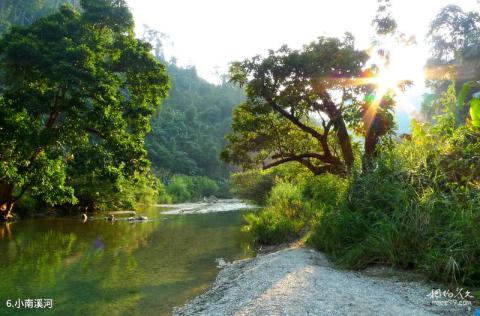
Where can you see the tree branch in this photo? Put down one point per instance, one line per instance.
(331, 163)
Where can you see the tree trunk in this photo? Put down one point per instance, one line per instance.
(345, 143)
(6, 202)
(342, 132)
(370, 149)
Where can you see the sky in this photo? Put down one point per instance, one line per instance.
(209, 34)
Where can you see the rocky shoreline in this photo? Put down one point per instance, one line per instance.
(302, 281)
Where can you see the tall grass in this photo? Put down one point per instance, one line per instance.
(417, 208)
(283, 217)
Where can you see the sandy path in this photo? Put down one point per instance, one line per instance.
(302, 281)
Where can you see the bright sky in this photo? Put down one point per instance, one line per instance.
(211, 33)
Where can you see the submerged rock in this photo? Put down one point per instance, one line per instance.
(221, 263)
(138, 218)
(210, 199)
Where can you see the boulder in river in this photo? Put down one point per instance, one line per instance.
(138, 218)
(210, 199)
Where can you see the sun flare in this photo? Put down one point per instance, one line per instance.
(394, 73)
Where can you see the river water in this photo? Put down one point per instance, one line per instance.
(120, 268)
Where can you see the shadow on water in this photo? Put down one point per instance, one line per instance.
(120, 268)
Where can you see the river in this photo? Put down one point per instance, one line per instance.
(118, 268)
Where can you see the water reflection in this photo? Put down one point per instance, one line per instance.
(119, 268)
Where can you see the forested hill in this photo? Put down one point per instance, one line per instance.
(188, 132)
(24, 12)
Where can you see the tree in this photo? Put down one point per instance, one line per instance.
(454, 38)
(383, 22)
(454, 58)
(75, 86)
(25, 12)
(188, 132)
(378, 109)
(296, 105)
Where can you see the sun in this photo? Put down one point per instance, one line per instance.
(394, 69)
(394, 73)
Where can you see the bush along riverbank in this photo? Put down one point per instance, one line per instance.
(417, 207)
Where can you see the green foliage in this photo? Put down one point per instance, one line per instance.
(187, 188)
(283, 217)
(27, 206)
(253, 185)
(419, 208)
(188, 132)
(460, 108)
(25, 12)
(454, 42)
(324, 193)
(178, 189)
(126, 193)
(78, 91)
(163, 196)
(475, 111)
(384, 23)
(284, 91)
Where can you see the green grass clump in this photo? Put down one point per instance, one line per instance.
(419, 208)
(283, 217)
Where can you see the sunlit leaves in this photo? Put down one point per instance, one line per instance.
(475, 112)
(295, 105)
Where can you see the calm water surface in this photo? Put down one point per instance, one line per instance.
(120, 268)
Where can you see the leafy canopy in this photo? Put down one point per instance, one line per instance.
(77, 89)
(297, 106)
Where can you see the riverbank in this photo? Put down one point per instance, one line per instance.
(301, 281)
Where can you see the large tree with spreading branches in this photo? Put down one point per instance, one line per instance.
(299, 103)
(74, 86)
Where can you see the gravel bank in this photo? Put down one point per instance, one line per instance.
(302, 281)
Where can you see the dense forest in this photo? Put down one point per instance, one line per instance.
(24, 12)
(188, 135)
(183, 144)
(188, 132)
(311, 138)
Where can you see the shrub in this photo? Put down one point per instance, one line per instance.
(163, 196)
(178, 189)
(283, 217)
(203, 186)
(190, 188)
(253, 185)
(27, 206)
(418, 208)
(323, 193)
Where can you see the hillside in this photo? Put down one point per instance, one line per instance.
(188, 132)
